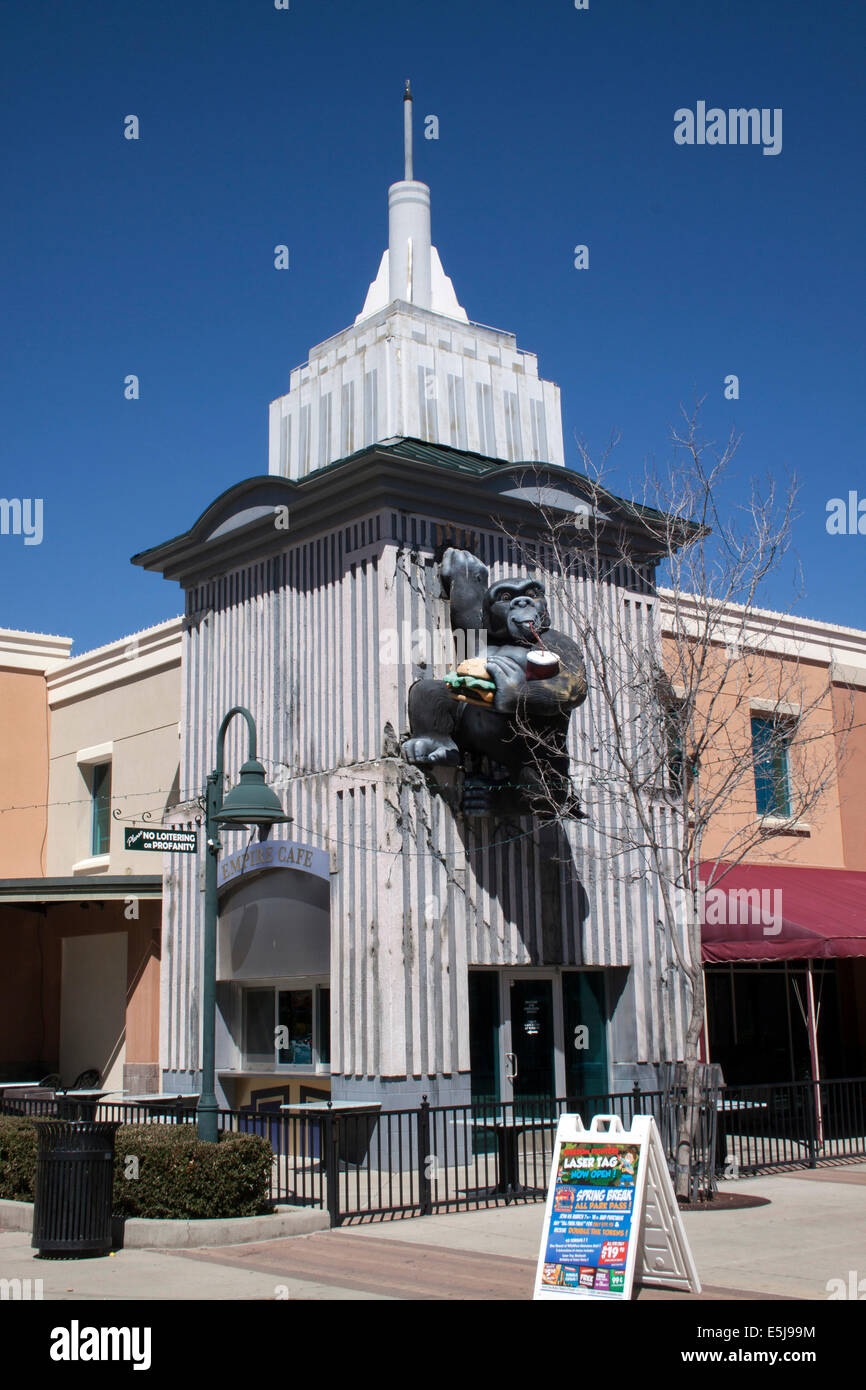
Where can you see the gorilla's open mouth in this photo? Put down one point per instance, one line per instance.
(525, 628)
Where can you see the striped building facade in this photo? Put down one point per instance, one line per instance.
(433, 953)
(320, 634)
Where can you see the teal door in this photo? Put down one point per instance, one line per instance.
(534, 1037)
(584, 1016)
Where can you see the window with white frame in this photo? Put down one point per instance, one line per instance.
(100, 808)
(94, 764)
(287, 1025)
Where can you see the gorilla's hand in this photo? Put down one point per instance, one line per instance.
(509, 677)
(462, 565)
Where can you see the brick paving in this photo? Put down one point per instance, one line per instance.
(407, 1270)
(391, 1267)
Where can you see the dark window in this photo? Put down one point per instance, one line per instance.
(674, 735)
(295, 1024)
(771, 737)
(324, 1041)
(100, 822)
(279, 1026)
(259, 1025)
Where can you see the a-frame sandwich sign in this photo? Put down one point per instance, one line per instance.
(611, 1218)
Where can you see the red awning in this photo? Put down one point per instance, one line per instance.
(782, 912)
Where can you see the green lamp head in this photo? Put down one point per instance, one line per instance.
(252, 802)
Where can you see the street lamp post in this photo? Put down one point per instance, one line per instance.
(251, 802)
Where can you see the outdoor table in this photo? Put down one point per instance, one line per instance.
(355, 1143)
(507, 1130)
(23, 1091)
(160, 1103)
(78, 1105)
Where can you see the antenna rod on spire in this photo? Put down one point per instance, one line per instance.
(407, 133)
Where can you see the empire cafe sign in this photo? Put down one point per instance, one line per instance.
(275, 854)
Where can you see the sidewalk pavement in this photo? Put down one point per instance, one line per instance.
(812, 1230)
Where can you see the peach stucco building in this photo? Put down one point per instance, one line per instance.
(95, 747)
(25, 658)
(786, 973)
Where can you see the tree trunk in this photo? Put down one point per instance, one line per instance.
(689, 1078)
(689, 1099)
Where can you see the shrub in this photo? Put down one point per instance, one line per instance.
(17, 1158)
(179, 1176)
(174, 1173)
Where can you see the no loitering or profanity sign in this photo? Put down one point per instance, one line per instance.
(611, 1215)
(160, 840)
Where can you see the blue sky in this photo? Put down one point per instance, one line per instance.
(259, 126)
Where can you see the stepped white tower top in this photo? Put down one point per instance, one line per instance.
(413, 365)
(411, 269)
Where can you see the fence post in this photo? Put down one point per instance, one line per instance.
(331, 1141)
(425, 1187)
(811, 1109)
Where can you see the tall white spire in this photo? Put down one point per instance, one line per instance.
(413, 366)
(410, 269)
(407, 133)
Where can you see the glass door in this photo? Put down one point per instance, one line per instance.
(537, 1034)
(533, 1075)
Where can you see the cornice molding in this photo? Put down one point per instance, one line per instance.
(32, 651)
(126, 659)
(375, 479)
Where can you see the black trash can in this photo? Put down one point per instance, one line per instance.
(74, 1181)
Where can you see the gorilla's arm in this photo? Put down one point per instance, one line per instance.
(555, 695)
(465, 580)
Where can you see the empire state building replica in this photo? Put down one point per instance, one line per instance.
(385, 945)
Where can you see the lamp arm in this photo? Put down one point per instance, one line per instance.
(221, 740)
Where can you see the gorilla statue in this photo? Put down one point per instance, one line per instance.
(523, 724)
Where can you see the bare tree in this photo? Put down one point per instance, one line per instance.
(674, 674)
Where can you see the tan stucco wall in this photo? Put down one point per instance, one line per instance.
(770, 677)
(140, 717)
(23, 772)
(93, 1007)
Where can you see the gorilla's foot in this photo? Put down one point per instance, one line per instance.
(431, 748)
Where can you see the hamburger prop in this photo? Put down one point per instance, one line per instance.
(471, 681)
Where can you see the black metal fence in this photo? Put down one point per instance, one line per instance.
(790, 1125)
(359, 1165)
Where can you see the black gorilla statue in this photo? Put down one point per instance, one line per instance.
(524, 727)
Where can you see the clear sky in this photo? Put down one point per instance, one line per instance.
(261, 126)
